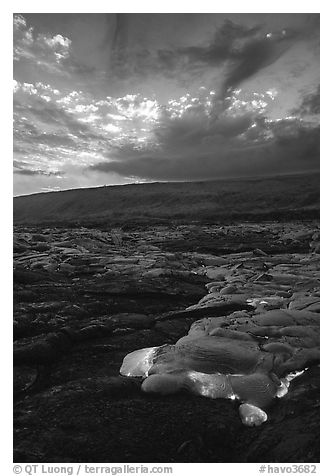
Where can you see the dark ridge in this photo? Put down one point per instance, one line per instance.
(265, 198)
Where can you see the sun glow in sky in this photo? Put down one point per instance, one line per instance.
(119, 98)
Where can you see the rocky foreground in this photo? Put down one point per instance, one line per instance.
(85, 298)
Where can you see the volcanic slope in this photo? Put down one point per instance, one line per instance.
(278, 197)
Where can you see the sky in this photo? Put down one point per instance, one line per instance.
(105, 99)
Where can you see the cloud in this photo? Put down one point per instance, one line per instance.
(47, 136)
(34, 89)
(25, 169)
(38, 172)
(241, 51)
(53, 130)
(120, 138)
(266, 158)
(310, 104)
(221, 47)
(52, 115)
(253, 56)
(191, 147)
(235, 52)
(41, 50)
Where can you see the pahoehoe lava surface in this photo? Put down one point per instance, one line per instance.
(85, 298)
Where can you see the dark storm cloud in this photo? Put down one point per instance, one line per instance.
(310, 104)
(237, 50)
(282, 145)
(243, 51)
(251, 58)
(192, 128)
(222, 44)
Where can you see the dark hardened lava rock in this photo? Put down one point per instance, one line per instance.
(76, 423)
(78, 409)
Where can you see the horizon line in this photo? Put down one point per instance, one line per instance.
(234, 177)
